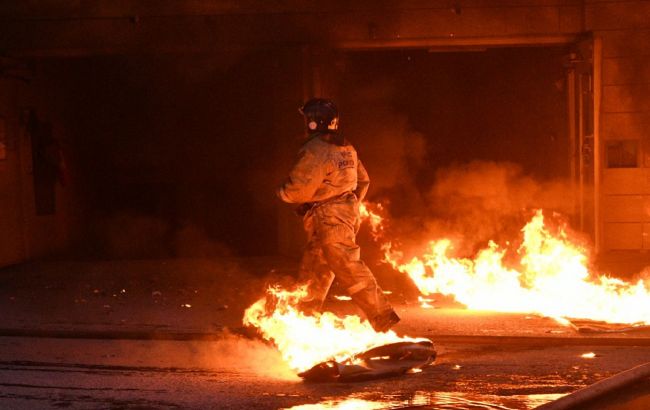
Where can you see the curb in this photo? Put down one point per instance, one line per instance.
(531, 341)
(111, 334)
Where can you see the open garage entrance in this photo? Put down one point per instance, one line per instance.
(505, 104)
(417, 112)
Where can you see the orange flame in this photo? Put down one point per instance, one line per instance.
(305, 340)
(553, 279)
(371, 213)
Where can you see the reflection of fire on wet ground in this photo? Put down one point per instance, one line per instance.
(433, 400)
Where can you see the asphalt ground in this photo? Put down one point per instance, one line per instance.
(168, 334)
(239, 373)
(187, 299)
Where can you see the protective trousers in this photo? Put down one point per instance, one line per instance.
(332, 252)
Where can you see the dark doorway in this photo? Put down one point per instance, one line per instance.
(502, 105)
(176, 155)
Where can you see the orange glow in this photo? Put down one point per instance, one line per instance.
(425, 303)
(305, 340)
(551, 278)
(371, 213)
(347, 404)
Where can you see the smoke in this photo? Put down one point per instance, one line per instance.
(448, 144)
(246, 355)
(482, 201)
(390, 149)
(476, 202)
(230, 354)
(192, 241)
(132, 235)
(471, 203)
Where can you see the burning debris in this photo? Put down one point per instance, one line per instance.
(342, 298)
(594, 326)
(383, 361)
(325, 346)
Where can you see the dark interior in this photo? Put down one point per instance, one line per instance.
(413, 112)
(179, 155)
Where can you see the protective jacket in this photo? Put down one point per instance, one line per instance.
(331, 180)
(324, 171)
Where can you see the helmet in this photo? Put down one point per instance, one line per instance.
(321, 115)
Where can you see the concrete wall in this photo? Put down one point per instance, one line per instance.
(12, 238)
(25, 235)
(96, 26)
(624, 27)
(73, 28)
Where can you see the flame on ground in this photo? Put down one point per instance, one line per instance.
(551, 278)
(306, 340)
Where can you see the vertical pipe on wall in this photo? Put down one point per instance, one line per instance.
(573, 145)
(597, 87)
(581, 149)
(21, 148)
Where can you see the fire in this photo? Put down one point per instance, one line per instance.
(306, 340)
(425, 303)
(551, 278)
(371, 213)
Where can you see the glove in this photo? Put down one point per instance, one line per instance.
(302, 209)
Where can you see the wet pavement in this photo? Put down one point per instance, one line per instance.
(111, 321)
(198, 298)
(239, 373)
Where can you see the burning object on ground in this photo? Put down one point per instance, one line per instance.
(324, 346)
(389, 360)
(599, 326)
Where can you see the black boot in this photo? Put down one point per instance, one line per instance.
(384, 321)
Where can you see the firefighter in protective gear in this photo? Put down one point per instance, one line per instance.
(328, 182)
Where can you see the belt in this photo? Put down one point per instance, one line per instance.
(307, 207)
(332, 199)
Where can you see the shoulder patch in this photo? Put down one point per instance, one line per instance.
(345, 159)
